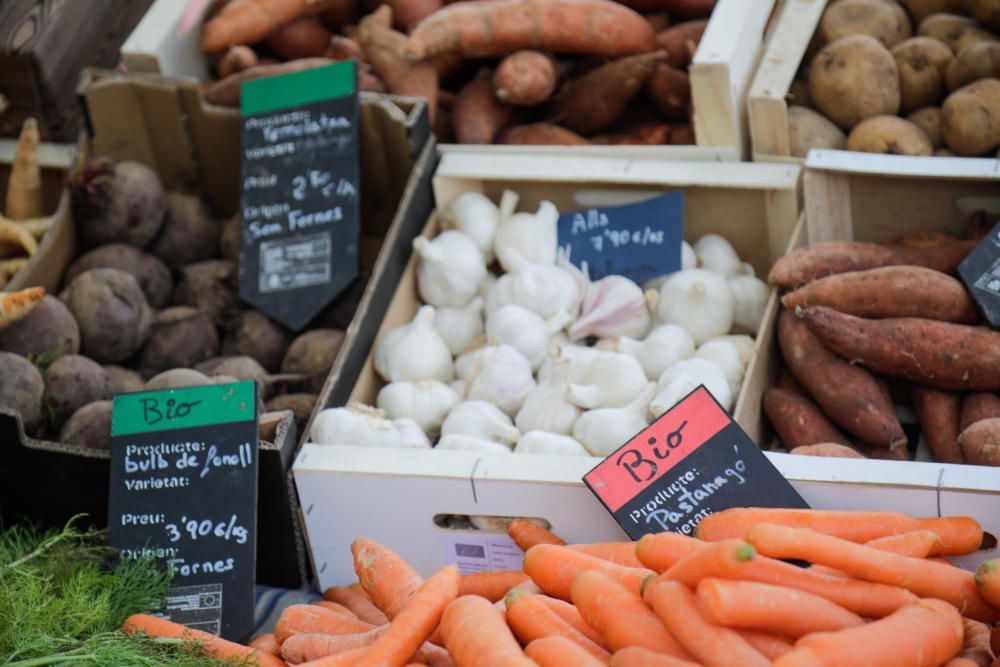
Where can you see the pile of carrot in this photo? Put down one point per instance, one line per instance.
(877, 590)
(865, 326)
(493, 71)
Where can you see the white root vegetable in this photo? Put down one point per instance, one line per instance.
(467, 443)
(543, 442)
(665, 345)
(698, 300)
(609, 380)
(426, 402)
(750, 295)
(482, 420)
(473, 214)
(547, 408)
(604, 430)
(726, 356)
(450, 268)
(684, 377)
(531, 235)
(717, 254)
(362, 426)
(612, 306)
(414, 351)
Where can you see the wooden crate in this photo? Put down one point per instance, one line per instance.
(403, 491)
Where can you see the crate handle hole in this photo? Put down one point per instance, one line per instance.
(484, 523)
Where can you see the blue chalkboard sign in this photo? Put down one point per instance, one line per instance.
(639, 241)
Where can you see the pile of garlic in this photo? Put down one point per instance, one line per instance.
(502, 363)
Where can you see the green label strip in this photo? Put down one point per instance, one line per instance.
(172, 409)
(297, 89)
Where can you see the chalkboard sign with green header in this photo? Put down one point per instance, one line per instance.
(184, 491)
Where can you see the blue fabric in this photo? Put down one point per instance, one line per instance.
(270, 602)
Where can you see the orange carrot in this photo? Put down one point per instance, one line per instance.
(636, 656)
(915, 544)
(530, 619)
(333, 606)
(213, 646)
(346, 659)
(771, 646)
(476, 635)
(299, 618)
(499, 27)
(622, 553)
(920, 576)
(314, 646)
(237, 59)
(959, 535)
(528, 533)
(717, 559)
(415, 623)
(660, 551)
(924, 634)
(988, 581)
(961, 662)
(305, 37)
(571, 615)
(266, 643)
(558, 651)
(776, 609)
(491, 585)
(541, 134)
(554, 568)
(712, 645)
(249, 21)
(620, 616)
(354, 598)
(388, 580)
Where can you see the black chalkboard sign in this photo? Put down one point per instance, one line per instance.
(981, 273)
(639, 241)
(184, 490)
(692, 461)
(300, 191)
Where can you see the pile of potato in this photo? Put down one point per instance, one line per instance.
(151, 303)
(914, 77)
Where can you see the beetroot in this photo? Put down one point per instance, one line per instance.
(49, 327)
(71, 382)
(152, 275)
(180, 337)
(117, 202)
(190, 233)
(112, 312)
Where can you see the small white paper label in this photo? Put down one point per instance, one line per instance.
(481, 552)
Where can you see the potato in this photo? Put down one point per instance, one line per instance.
(210, 287)
(152, 275)
(312, 354)
(943, 152)
(301, 406)
(954, 30)
(809, 129)
(90, 426)
(112, 313)
(49, 327)
(71, 382)
(229, 238)
(190, 233)
(123, 380)
(922, 62)
(798, 94)
(885, 21)
(986, 12)
(979, 60)
(253, 334)
(928, 119)
(177, 378)
(970, 118)
(889, 134)
(179, 337)
(921, 9)
(21, 389)
(854, 78)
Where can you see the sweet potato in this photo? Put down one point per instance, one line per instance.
(249, 21)
(180, 336)
(90, 426)
(71, 382)
(226, 92)
(344, 48)
(787, 381)
(478, 115)
(849, 395)
(890, 291)
(253, 334)
(798, 421)
(978, 406)
(941, 355)
(112, 313)
(48, 327)
(646, 134)
(669, 90)
(682, 134)
(831, 449)
(680, 41)
(695, 9)
(525, 78)
(804, 265)
(498, 27)
(22, 388)
(923, 238)
(152, 275)
(385, 49)
(237, 59)
(542, 134)
(408, 13)
(338, 14)
(305, 37)
(938, 414)
(981, 443)
(598, 98)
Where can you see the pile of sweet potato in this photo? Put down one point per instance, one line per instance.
(865, 327)
(493, 71)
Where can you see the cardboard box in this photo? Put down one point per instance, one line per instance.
(720, 76)
(403, 497)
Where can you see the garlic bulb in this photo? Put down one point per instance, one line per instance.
(482, 420)
(744, 345)
(612, 306)
(533, 236)
(458, 386)
(748, 270)
(473, 214)
(501, 375)
(684, 377)
(460, 325)
(363, 426)
(546, 407)
(726, 356)
(543, 442)
(717, 254)
(666, 344)
(426, 402)
(467, 443)
(578, 356)
(610, 380)
(414, 351)
(750, 296)
(449, 268)
(698, 300)
(486, 284)
(544, 290)
(523, 330)
(688, 261)
(604, 430)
